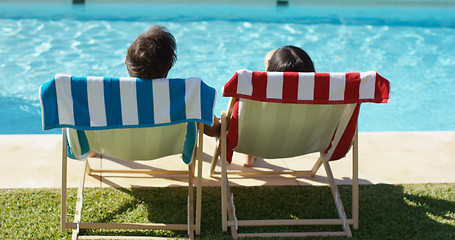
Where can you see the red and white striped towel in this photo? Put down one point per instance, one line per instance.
(309, 88)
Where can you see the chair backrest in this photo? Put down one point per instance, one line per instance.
(154, 142)
(290, 114)
(274, 130)
(127, 118)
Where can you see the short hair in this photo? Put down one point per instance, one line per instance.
(152, 54)
(290, 59)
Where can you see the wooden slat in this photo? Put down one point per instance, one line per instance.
(292, 234)
(126, 237)
(265, 173)
(289, 222)
(138, 171)
(153, 226)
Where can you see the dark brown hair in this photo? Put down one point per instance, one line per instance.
(152, 54)
(290, 59)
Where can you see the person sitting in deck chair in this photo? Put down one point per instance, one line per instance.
(152, 55)
(285, 59)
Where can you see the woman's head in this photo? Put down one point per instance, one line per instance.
(289, 59)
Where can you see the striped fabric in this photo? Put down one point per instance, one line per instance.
(93, 103)
(310, 88)
(97, 103)
(350, 89)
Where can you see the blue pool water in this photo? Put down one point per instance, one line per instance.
(411, 46)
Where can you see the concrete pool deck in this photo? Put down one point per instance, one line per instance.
(34, 161)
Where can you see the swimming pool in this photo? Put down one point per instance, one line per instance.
(411, 46)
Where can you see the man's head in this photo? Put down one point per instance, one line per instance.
(152, 54)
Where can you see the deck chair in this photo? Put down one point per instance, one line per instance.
(281, 115)
(129, 119)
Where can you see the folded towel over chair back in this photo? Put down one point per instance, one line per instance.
(98, 103)
(90, 103)
(326, 90)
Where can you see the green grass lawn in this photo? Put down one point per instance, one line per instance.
(421, 211)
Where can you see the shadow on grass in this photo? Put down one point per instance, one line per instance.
(407, 212)
(386, 211)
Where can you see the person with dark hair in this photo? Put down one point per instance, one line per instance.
(285, 59)
(152, 55)
(289, 59)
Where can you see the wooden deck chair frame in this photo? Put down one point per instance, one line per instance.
(192, 227)
(228, 208)
(131, 110)
(357, 88)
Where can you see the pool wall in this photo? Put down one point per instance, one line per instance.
(249, 2)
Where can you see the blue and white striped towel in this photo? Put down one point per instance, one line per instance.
(93, 103)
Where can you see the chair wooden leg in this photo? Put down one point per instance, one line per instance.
(199, 180)
(231, 212)
(216, 155)
(227, 205)
(316, 167)
(190, 201)
(79, 200)
(64, 182)
(355, 181)
(337, 199)
(224, 182)
(88, 169)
